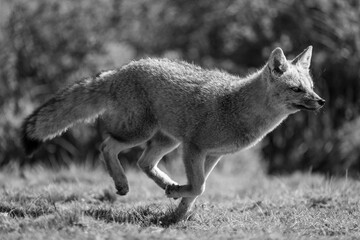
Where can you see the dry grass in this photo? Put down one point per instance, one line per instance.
(81, 204)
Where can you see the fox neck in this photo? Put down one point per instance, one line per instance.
(255, 113)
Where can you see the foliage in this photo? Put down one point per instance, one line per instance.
(238, 35)
(46, 44)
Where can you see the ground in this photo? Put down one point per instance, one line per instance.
(81, 204)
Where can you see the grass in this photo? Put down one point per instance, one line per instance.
(81, 204)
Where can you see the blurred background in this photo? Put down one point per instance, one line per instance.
(48, 44)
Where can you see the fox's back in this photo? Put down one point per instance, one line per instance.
(180, 94)
(177, 75)
(214, 110)
(162, 77)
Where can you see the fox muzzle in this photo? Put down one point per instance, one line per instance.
(310, 104)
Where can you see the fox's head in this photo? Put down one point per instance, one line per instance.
(289, 82)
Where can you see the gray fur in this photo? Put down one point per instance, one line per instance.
(210, 112)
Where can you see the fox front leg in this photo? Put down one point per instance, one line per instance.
(186, 203)
(194, 160)
(156, 149)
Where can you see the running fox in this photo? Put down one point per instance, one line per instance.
(167, 103)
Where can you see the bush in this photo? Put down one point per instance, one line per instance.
(239, 35)
(46, 43)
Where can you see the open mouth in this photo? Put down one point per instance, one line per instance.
(302, 107)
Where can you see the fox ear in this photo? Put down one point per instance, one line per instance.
(277, 61)
(304, 58)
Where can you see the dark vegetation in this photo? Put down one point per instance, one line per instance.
(48, 44)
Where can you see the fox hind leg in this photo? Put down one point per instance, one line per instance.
(110, 148)
(127, 129)
(158, 146)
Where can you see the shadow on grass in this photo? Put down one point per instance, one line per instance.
(144, 216)
(21, 206)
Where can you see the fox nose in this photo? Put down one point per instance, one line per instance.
(321, 102)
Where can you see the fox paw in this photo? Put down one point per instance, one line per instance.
(172, 191)
(122, 190)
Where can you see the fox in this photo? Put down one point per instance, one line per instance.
(165, 103)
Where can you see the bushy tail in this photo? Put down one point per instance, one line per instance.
(85, 100)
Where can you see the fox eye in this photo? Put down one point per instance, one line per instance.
(296, 89)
